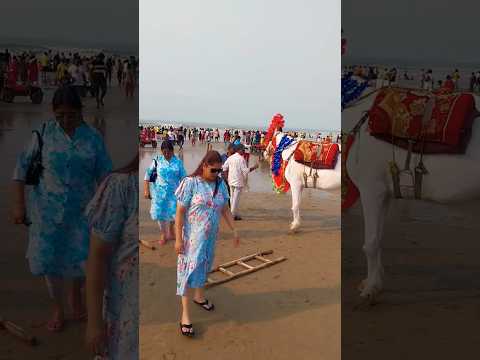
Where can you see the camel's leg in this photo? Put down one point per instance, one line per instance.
(296, 189)
(375, 202)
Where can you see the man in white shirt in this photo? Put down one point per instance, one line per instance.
(76, 73)
(237, 169)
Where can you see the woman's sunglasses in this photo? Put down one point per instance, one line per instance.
(215, 170)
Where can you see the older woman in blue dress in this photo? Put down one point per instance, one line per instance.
(169, 172)
(202, 201)
(74, 161)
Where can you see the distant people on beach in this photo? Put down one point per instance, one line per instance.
(428, 80)
(99, 79)
(456, 79)
(130, 81)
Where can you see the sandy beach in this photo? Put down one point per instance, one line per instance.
(430, 302)
(290, 310)
(23, 297)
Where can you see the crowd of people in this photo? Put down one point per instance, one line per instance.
(179, 135)
(92, 72)
(380, 76)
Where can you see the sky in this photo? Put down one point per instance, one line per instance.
(428, 31)
(83, 23)
(240, 62)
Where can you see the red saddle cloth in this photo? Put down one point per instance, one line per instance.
(316, 155)
(397, 114)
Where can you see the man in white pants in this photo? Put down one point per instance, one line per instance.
(237, 168)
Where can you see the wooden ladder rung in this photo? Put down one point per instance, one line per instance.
(245, 258)
(244, 272)
(241, 263)
(261, 258)
(225, 271)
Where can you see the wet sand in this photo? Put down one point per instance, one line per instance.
(429, 309)
(23, 297)
(290, 310)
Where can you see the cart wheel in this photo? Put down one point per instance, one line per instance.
(8, 95)
(154, 144)
(36, 96)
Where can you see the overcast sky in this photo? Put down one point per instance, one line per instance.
(239, 62)
(83, 22)
(429, 30)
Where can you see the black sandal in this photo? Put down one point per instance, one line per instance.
(189, 332)
(206, 305)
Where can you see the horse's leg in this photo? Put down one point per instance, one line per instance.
(375, 206)
(296, 188)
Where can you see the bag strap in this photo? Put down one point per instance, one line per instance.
(40, 139)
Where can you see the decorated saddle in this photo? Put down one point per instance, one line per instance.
(438, 122)
(317, 155)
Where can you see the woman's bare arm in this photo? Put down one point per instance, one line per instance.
(19, 202)
(146, 189)
(96, 281)
(179, 222)
(227, 215)
(96, 278)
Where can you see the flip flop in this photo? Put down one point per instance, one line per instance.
(205, 305)
(189, 332)
(55, 325)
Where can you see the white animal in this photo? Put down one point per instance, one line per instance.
(294, 174)
(450, 178)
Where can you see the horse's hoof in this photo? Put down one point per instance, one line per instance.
(366, 302)
(294, 228)
(362, 285)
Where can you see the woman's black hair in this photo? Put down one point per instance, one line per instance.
(210, 158)
(66, 96)
(167, 145)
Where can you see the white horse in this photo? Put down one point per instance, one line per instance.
(294, 174)
(450, 178)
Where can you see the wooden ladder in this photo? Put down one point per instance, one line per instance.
(243, 262)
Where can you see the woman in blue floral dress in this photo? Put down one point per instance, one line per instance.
(202, 201)
(112, 269)
(170, 171)
(75, 160)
